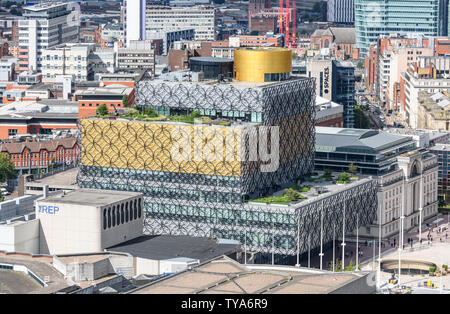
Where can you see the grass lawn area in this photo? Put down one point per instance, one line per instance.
(273, 200)
(284, 200)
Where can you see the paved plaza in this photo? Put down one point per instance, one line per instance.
(436, 251)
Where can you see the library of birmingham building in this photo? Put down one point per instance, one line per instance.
(260, 111)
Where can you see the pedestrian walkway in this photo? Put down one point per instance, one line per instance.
(440, 233)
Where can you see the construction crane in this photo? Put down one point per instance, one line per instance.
(286, 37)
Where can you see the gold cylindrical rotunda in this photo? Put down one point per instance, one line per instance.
(262, 64)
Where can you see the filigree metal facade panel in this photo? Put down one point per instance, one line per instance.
(210, 198)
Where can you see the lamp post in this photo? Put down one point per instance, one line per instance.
(357, 240)
(421, 202)
(245, 246)
(400, 244)
(321, 237)
(298, 241)
(379, 247)
(309, 251)
(273, 245)
(343, 236)
(334, 245)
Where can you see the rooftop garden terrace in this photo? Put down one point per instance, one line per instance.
(317, 183)
(148, 114)
(289, 195)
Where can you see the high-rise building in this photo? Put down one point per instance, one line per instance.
(45, 25)
(199, 18)
(335, 81)
(341, 11)
(134, 20)
(444, 17)
(380, 17)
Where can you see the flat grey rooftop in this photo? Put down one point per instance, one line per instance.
(439, 146)
(91, 197)
(234, 83)
(357, 139)
(12, 282)
(212, 59)
(165, 247)
(65, 178)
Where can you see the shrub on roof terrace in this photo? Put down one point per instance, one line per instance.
(291, 195)
(150, 112)
(344, 177)
(195, 114)
(102, 110)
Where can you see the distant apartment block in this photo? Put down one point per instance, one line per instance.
(430, 74)
(138, 55)
(45, 25)
(170, 36)
(79, 60)
(199, 18)
(111, 33)
(390, 56)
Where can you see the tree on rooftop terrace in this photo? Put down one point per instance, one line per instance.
(343, 177)
(125, 100)
(327, 175)
(195, 114)
(352, 169)
(102, 110)
(291, 194)
(150, 112)
(7, 170)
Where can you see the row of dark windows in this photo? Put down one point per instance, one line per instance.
(122, 213)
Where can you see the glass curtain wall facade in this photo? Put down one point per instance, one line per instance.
(384, 17)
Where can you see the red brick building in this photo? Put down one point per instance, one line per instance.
(441, 46)
(340, 40)
(112, 96)
(33, 154)
(264, 40)
(39, 123)
(179, 58)
(263, 24)
(4, 48)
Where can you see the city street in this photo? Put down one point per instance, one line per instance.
(370, 253)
